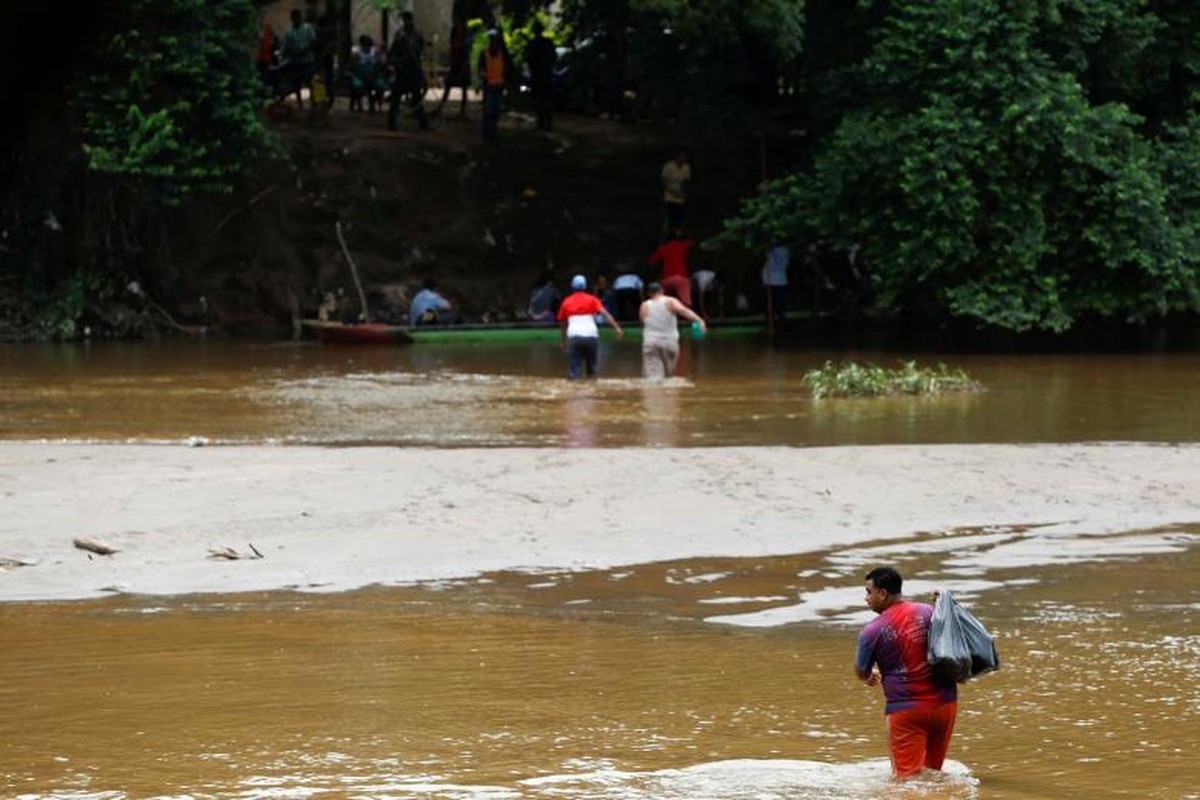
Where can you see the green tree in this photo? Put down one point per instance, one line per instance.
(171, 102)
(993, 167)
(702, 60)
(160, 101)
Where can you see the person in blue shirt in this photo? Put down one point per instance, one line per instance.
(543, 300)
(775, 280)
(428, 307)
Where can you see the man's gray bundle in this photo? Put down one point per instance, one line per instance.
(959, 646)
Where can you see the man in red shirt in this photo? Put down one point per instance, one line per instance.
(673, 255)
(580, 336)
(891, 650)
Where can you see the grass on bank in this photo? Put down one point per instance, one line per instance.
(851, 379)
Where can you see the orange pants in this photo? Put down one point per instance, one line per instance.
(920, 737)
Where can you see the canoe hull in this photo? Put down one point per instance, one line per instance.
(366, 333)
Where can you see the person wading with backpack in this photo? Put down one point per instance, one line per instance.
(892, 651)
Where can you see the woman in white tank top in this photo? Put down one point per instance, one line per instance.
(660, 332)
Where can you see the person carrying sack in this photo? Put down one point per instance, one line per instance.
(960, 648)
(920, 707)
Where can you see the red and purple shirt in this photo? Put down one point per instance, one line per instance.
(896, 641)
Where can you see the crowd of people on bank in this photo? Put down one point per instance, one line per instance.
(657, 295)
(395, 76)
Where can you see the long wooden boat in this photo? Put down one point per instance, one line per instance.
(498, 332)
(549, 332)
(363, 333)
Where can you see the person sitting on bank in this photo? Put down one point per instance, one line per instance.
(608, 297)
(709, 294)
(628, 294)
(544, 300)
(430, 308)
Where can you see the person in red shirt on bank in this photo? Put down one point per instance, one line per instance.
(673, 255)
(580, 335)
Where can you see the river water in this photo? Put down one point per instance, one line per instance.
(736, 392)
(715, 678)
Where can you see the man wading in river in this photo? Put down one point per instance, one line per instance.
(920, 709)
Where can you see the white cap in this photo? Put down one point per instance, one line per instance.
(579, 283)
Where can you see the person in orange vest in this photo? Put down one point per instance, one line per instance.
(493, 62)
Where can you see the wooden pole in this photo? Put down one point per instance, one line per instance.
(362, 296)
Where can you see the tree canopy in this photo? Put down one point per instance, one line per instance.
(170, 99)
(1027, 165)
(155, 101)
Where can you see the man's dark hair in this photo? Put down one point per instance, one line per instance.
(887, 579)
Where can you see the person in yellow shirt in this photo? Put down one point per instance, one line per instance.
(676, 174)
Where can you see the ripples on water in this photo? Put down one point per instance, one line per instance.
(733, 392)
(714, 678)
(444, 409)
(610, 684)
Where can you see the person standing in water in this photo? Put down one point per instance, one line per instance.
(660, 332)
(891, 651)
(580, 335)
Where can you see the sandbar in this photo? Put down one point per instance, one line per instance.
(336, 519)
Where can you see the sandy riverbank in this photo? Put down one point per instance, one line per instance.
(334, 519)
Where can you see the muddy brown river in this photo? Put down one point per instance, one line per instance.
(713, 678)
(735, 392)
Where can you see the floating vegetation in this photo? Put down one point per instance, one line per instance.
(851, 379)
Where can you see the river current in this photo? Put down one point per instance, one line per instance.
(703, 678)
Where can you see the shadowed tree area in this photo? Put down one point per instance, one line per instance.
(1022, 167)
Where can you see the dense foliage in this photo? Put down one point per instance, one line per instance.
(705, 61)
(171, 101)
(1028, 165)
(159, 101)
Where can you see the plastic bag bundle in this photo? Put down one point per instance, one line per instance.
(959, 647)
